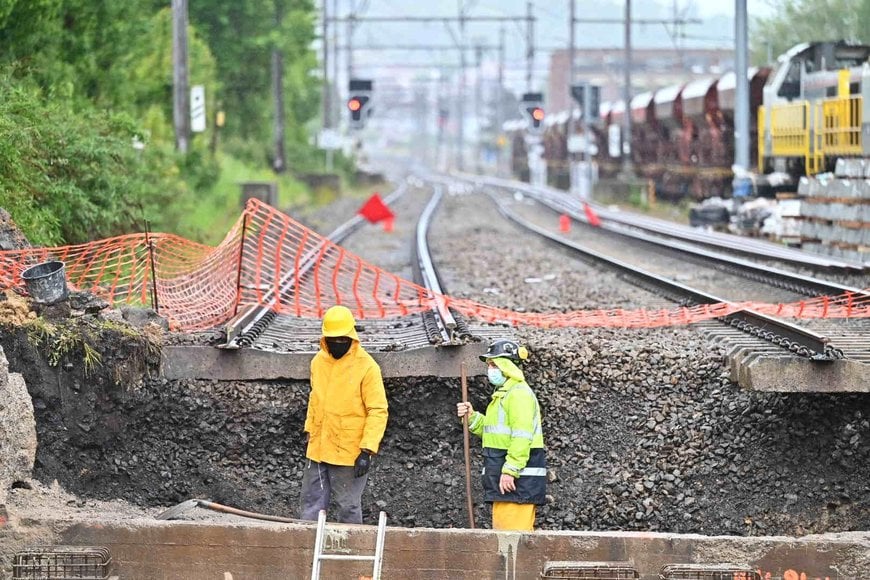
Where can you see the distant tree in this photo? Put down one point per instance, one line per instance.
(796, 21)
(242, 35)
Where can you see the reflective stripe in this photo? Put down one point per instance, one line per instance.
(510, 467)
(522, 434)
(539, 471)
(497, 429)
(477, 419)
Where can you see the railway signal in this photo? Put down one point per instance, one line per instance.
(531, 106)
(579, 94)
(359, 102)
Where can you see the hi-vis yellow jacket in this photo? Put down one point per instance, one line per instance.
(512, 421)
(513, 441)
(347, 407)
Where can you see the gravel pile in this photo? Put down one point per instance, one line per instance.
(644, 431)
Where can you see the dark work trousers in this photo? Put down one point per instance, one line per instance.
(323, 482)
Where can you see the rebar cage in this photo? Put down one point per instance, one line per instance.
(590, 570)
(61, 563)
(708, 572)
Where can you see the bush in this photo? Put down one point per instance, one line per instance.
(69, 176)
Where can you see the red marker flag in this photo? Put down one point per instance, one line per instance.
(375, 210)
(591, 216)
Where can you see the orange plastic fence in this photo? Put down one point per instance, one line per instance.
(269, 259)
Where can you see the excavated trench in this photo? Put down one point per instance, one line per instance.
(642, 435)
(643, 428)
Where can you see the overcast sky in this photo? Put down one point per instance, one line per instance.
(716, 30)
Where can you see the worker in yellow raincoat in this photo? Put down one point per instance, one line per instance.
(345, 422)
(514, 459)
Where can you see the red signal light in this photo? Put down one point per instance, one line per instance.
(354, 105)
(538, 114)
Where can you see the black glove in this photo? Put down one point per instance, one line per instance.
(362, 464)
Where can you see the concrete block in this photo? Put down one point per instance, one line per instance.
(804, 186)
(849, 168)
(790, 374)
(205, 362)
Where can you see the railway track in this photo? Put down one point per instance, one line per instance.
(665, 232)
(749, 336)
(262, 328)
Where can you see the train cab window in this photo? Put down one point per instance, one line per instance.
(791, 84)
(831, 92)
(854, 88)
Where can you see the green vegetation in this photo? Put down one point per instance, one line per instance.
(87, 146)
(796, 21)
(62, 341)
(84, 341)
(210, 219)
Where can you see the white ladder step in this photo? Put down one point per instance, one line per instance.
(319, 556)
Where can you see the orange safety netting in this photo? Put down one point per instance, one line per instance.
(269, 259)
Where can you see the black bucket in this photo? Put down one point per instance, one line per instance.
(46, 282)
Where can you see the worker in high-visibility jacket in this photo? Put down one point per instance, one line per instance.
(345, 422)
(514, 459)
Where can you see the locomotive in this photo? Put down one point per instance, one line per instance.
(807, 111)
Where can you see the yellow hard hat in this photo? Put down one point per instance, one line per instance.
(338, 321)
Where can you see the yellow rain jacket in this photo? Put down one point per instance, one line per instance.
(347, 407)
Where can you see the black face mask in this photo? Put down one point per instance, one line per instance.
(338, 346)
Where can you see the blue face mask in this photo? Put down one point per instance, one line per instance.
(496, 377)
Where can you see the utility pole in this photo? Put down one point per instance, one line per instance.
(478, 61)
(335, 117)
(572, 71)
(279, 163)
(530, 44)
(349, 42)
(741, 105)
(460, 134)
(180, 82)
(327, 88)
(324, 34)
(499, 99)
(627, 168)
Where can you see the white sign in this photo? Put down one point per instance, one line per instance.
(613, 140)
(329, 139)
(197, 108)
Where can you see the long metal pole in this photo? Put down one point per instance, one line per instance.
(349, 43)
(530, 44)
(324, 34)
(279, 163)
(499, 99)
(460, 133)
(466, 444)
(180, 98)
(478, 61)
(334, 114)
(327, 88)
(741, 106)
(572, 16)
(626, 95)
(572, 56)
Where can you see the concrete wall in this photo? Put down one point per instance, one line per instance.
(149, 550)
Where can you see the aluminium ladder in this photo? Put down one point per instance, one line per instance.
(319, 556)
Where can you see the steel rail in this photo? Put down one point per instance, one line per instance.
(425, 268)
(729, 242)
(771, 276)
(801, 341)
(244, 328)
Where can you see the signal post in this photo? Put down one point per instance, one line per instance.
(532, 109)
